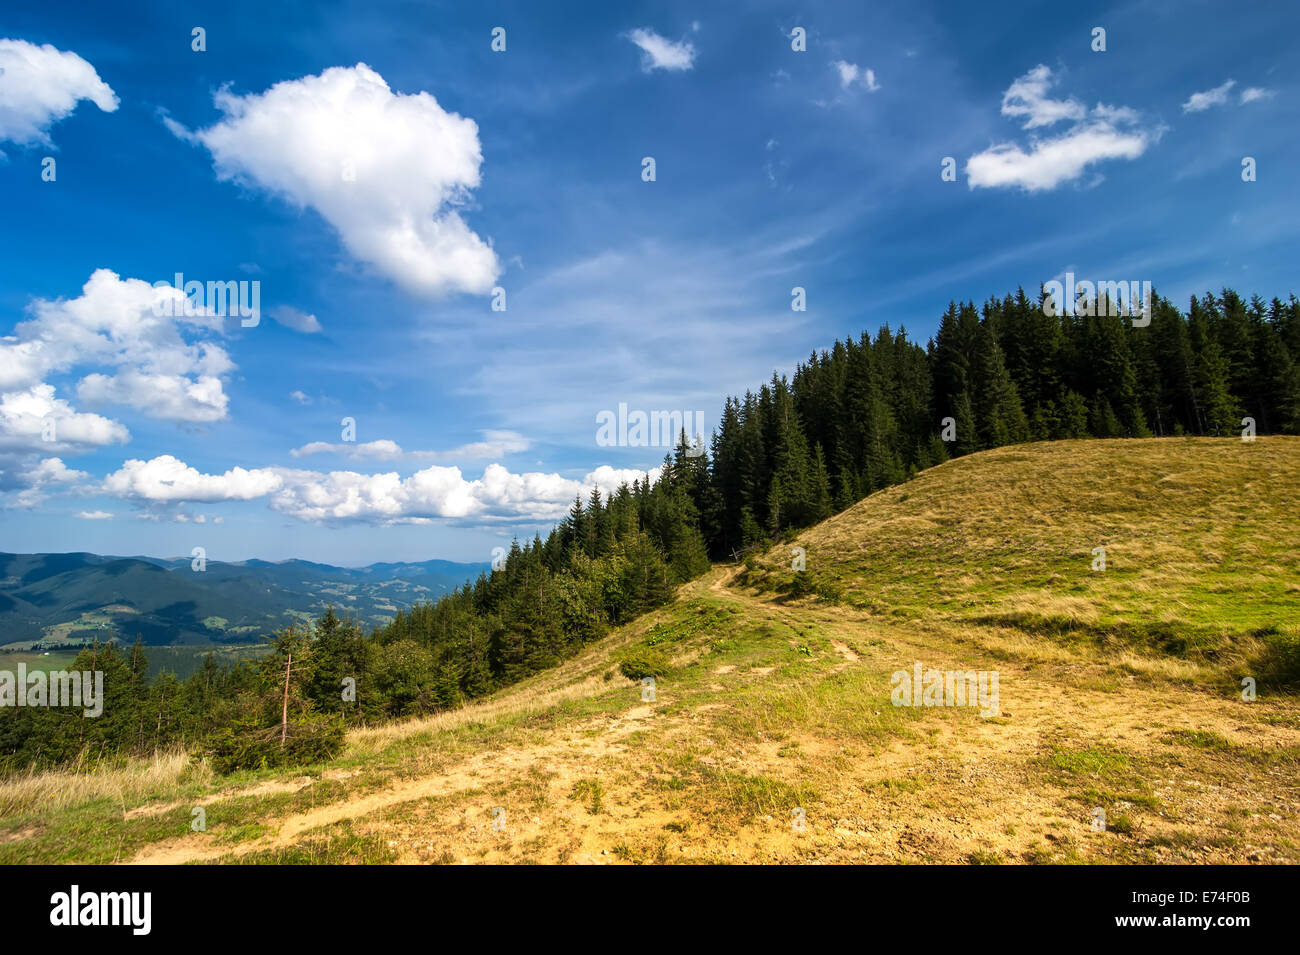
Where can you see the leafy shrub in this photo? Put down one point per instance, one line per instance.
(1278, 665)
(1121, 824)
(641, 662)
(830, 591)
(800, 584)
(248, 745)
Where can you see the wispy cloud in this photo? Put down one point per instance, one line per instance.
(298, 320)
(1027, 98)
(1222, 94)
(1102, 133)
(852, 75)
(1254, 93)
(660, 53)
(1199, 102)
(495, 444)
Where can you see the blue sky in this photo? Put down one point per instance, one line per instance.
(379, 170)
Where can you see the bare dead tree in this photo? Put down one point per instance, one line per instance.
(284, 710)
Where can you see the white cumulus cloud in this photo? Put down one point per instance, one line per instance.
(439, 492)
(435, 492)
(35, 421)
(35, 481)
(387, 170)
(40, 85)
(160, 365)
(166, 478)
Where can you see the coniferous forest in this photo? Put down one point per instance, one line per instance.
(862, 415)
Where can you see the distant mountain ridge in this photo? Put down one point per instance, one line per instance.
(63, 600)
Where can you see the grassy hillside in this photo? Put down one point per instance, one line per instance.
(771, 735)
(1201, 539)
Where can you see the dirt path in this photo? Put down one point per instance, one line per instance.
(579, 744)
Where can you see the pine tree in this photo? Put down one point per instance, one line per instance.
(820, 496)
(999, 417)
(1220, 408)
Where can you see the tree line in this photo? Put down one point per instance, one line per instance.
(854, 418)
(868, 413)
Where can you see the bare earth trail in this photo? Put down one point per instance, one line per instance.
(676, 779)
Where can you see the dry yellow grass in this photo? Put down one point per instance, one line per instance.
(134, 779)
(520, 701)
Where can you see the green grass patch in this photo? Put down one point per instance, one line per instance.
(589, 792)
